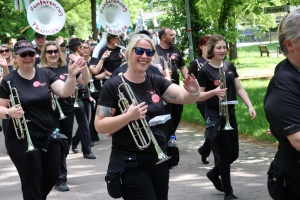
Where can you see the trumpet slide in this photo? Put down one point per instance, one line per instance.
(19, 124)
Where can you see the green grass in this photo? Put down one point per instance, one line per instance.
(249, 63)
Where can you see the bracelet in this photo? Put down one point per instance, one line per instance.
(196, 93)
(102, 58)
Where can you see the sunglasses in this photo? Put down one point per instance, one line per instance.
(86, 48)
(140, 51)
(25, 54)
(6, 50)
(92, 44)
(50, 52)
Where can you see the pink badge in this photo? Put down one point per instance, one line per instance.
(120, 55)
(172, 57)
(216, 82)
(62, 77)
(36, 84)
(155, 98)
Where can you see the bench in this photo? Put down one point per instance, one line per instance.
(265, 49)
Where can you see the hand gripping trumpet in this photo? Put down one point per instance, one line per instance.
(19, 124)
(134, 126)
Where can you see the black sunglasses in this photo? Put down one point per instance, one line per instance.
(92, 44)
(140, 51)
(6, 50)
(25, 54)
(50, 52)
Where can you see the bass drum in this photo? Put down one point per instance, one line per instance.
(46, 17)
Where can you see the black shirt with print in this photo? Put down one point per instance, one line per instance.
(150, 91)
(93, 62)
(35, 99)
(113, 61)
(176, 61)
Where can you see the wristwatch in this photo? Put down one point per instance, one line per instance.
(6, 114)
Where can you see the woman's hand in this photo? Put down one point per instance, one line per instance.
(191, 84)
(106, 54)
(220, 92)
(137, 112)
(252, 113)
(3, 62)
(269, 132)
(76, 64)
(16, 111)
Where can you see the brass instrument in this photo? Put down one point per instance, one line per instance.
(76, 105)
(56, 105)
(122, 49)
(223, 104)
(19, 124)
(92, 87)
(138, 136)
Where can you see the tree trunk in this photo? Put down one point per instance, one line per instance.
(94, 27)
(232, 51)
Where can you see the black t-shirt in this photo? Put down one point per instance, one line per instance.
(150, 91)
(35, 99)
(10, 68)
(151, 70)
(93, 63)
(160, 64)
(209, 77)
(195, 68)
(282, 108)
(66, 104)
(113, 61)
(176, 61)
(37, 55)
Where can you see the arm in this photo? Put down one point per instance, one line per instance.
(167, 74)
(295, 140)
(187, 94)
(13, 112)
(184, 71)
(97, 69)
(84, 77)
(245, 98)
(209, 94)
(4, 66)
(106, 122)
(100, 76)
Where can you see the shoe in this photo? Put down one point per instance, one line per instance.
(203, 159)
(216, 181)
(230, 197)
(62, 187)
(89, 156)
(92, 144)
(74, 149)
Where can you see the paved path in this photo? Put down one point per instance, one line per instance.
(187, 181)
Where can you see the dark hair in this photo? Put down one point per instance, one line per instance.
(162, 32)
(202, 41)
(212, 43)
(74, 43)
(145, 32)
(110, 37)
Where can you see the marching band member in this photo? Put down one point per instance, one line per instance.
(52, 58)
(142, 179)
(195, 67)
(226, 145)
(83, 112)
(38, 169)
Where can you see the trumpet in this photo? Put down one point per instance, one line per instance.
(122, 49)
(134, 126)
(56, 105)
(19, 124)
(223, 104)
(92, 87)
(75, 95)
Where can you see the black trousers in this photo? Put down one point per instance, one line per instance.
(66, 127)
(83, 116)
(38, 170)
(142, 179)
(226, 151)
(93, 132)
(205, 148)
(4, 125)
(171, 125)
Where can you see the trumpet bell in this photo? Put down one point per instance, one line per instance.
(228, 127)
(162, 158)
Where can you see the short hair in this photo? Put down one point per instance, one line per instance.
(145, 32)
(74, 43)
(289, 29)
(202, 41)
(133, 41)
(162, 32)
(43, 62)
(211, 44)
(110, 37)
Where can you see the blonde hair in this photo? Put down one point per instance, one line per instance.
(133, 41)
(6, 46)
(43, 63)
(289, 29)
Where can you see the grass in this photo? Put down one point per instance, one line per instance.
(249, 63)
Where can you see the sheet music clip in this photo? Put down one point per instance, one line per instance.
(161, 119)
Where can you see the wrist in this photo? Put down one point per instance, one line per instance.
(102, 58)
(7, 114)
(196, 93)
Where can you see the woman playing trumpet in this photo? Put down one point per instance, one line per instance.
(52, 58)
(38, 169)
(142, 179)
(226, 146)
